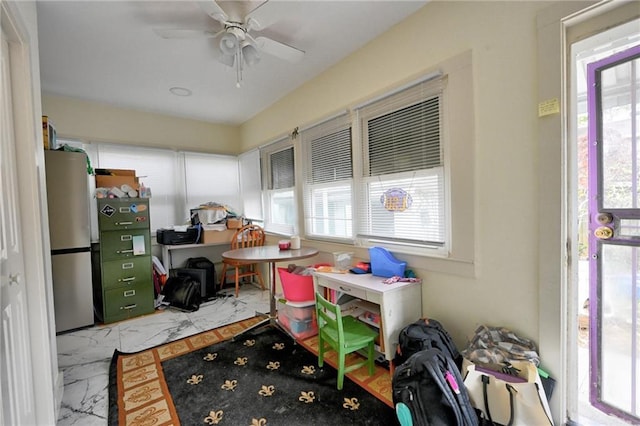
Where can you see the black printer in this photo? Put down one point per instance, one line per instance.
(172, 237)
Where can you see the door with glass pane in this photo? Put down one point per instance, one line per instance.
(614, 246)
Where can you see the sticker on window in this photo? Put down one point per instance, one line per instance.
(396, 200)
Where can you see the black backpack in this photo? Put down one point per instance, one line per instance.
(429, 389)
(182, 292)
(424, 334)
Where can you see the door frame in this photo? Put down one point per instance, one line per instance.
(19, 22)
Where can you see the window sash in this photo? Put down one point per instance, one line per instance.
(280, 211)
(402, 160)
(328, 179)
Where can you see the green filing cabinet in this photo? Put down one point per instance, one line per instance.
(126, 289)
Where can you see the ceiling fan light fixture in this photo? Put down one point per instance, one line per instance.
(229, 44)
(250, 53)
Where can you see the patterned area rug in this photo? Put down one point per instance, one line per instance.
(262, 378)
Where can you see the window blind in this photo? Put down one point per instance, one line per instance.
(328, 179)
(210, 177)
(280, 212)
(401, 190)
(250, 185)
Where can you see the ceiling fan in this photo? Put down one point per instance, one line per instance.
(237, 46)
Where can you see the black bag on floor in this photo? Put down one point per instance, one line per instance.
(424, 334)
(182, 292)
(429, 389)
(209, 286)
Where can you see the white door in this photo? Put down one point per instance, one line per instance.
(16, 384)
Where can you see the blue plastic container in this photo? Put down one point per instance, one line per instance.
(383, 264)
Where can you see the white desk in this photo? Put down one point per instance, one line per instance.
(400, 303)
(174, 256)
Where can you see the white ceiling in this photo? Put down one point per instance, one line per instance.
(107, 51)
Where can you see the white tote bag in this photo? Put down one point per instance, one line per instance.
(509, 400)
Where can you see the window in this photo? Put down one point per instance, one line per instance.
(279, 180)
(402, 187)
(179, 181)
(328, 179)
(210, 177)
(251, 186)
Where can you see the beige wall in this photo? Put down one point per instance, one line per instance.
(502, 38)
(90, 121)
(506, 287)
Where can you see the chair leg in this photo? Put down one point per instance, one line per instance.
(341, 362)
(260, 280)
(371, 359)
(237, 281)
(320, 352)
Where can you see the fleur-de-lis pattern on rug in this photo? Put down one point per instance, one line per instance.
(210, 357)
(267, 390)
(351, 404)
(308, 369)
(229, 385)
(307, 397)
(195, 379)
(241, 360)
(273, 365)
(274, 361)
(148, 416)
(214, 417)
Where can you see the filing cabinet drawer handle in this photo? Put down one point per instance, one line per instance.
(126, 279)
(124, 223)
(126, 237)
(129, 293)
(127, 265)
(124, 251)
(128, 307)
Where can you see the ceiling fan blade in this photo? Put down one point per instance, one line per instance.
(180, 33)
(279, 50)
(214, 10)
(266, 14)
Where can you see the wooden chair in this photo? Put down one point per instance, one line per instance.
(247, 236)
(345, 335)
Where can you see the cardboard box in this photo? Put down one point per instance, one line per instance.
(209, 237)
(117, 177)
(234, 223)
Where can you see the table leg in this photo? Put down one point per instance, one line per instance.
(271, 317)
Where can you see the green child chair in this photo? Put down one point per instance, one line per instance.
(344, 335)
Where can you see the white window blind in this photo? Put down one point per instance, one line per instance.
(251, 185)
(401, 190)
(280, 202)
(210, 177)
(156, 168)
(328, 179)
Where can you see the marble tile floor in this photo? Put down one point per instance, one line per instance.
(84, 355)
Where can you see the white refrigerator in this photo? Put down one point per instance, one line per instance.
(69, 230)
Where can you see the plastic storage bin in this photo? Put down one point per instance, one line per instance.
(383, 264)
(298, 317)
(296, 288)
